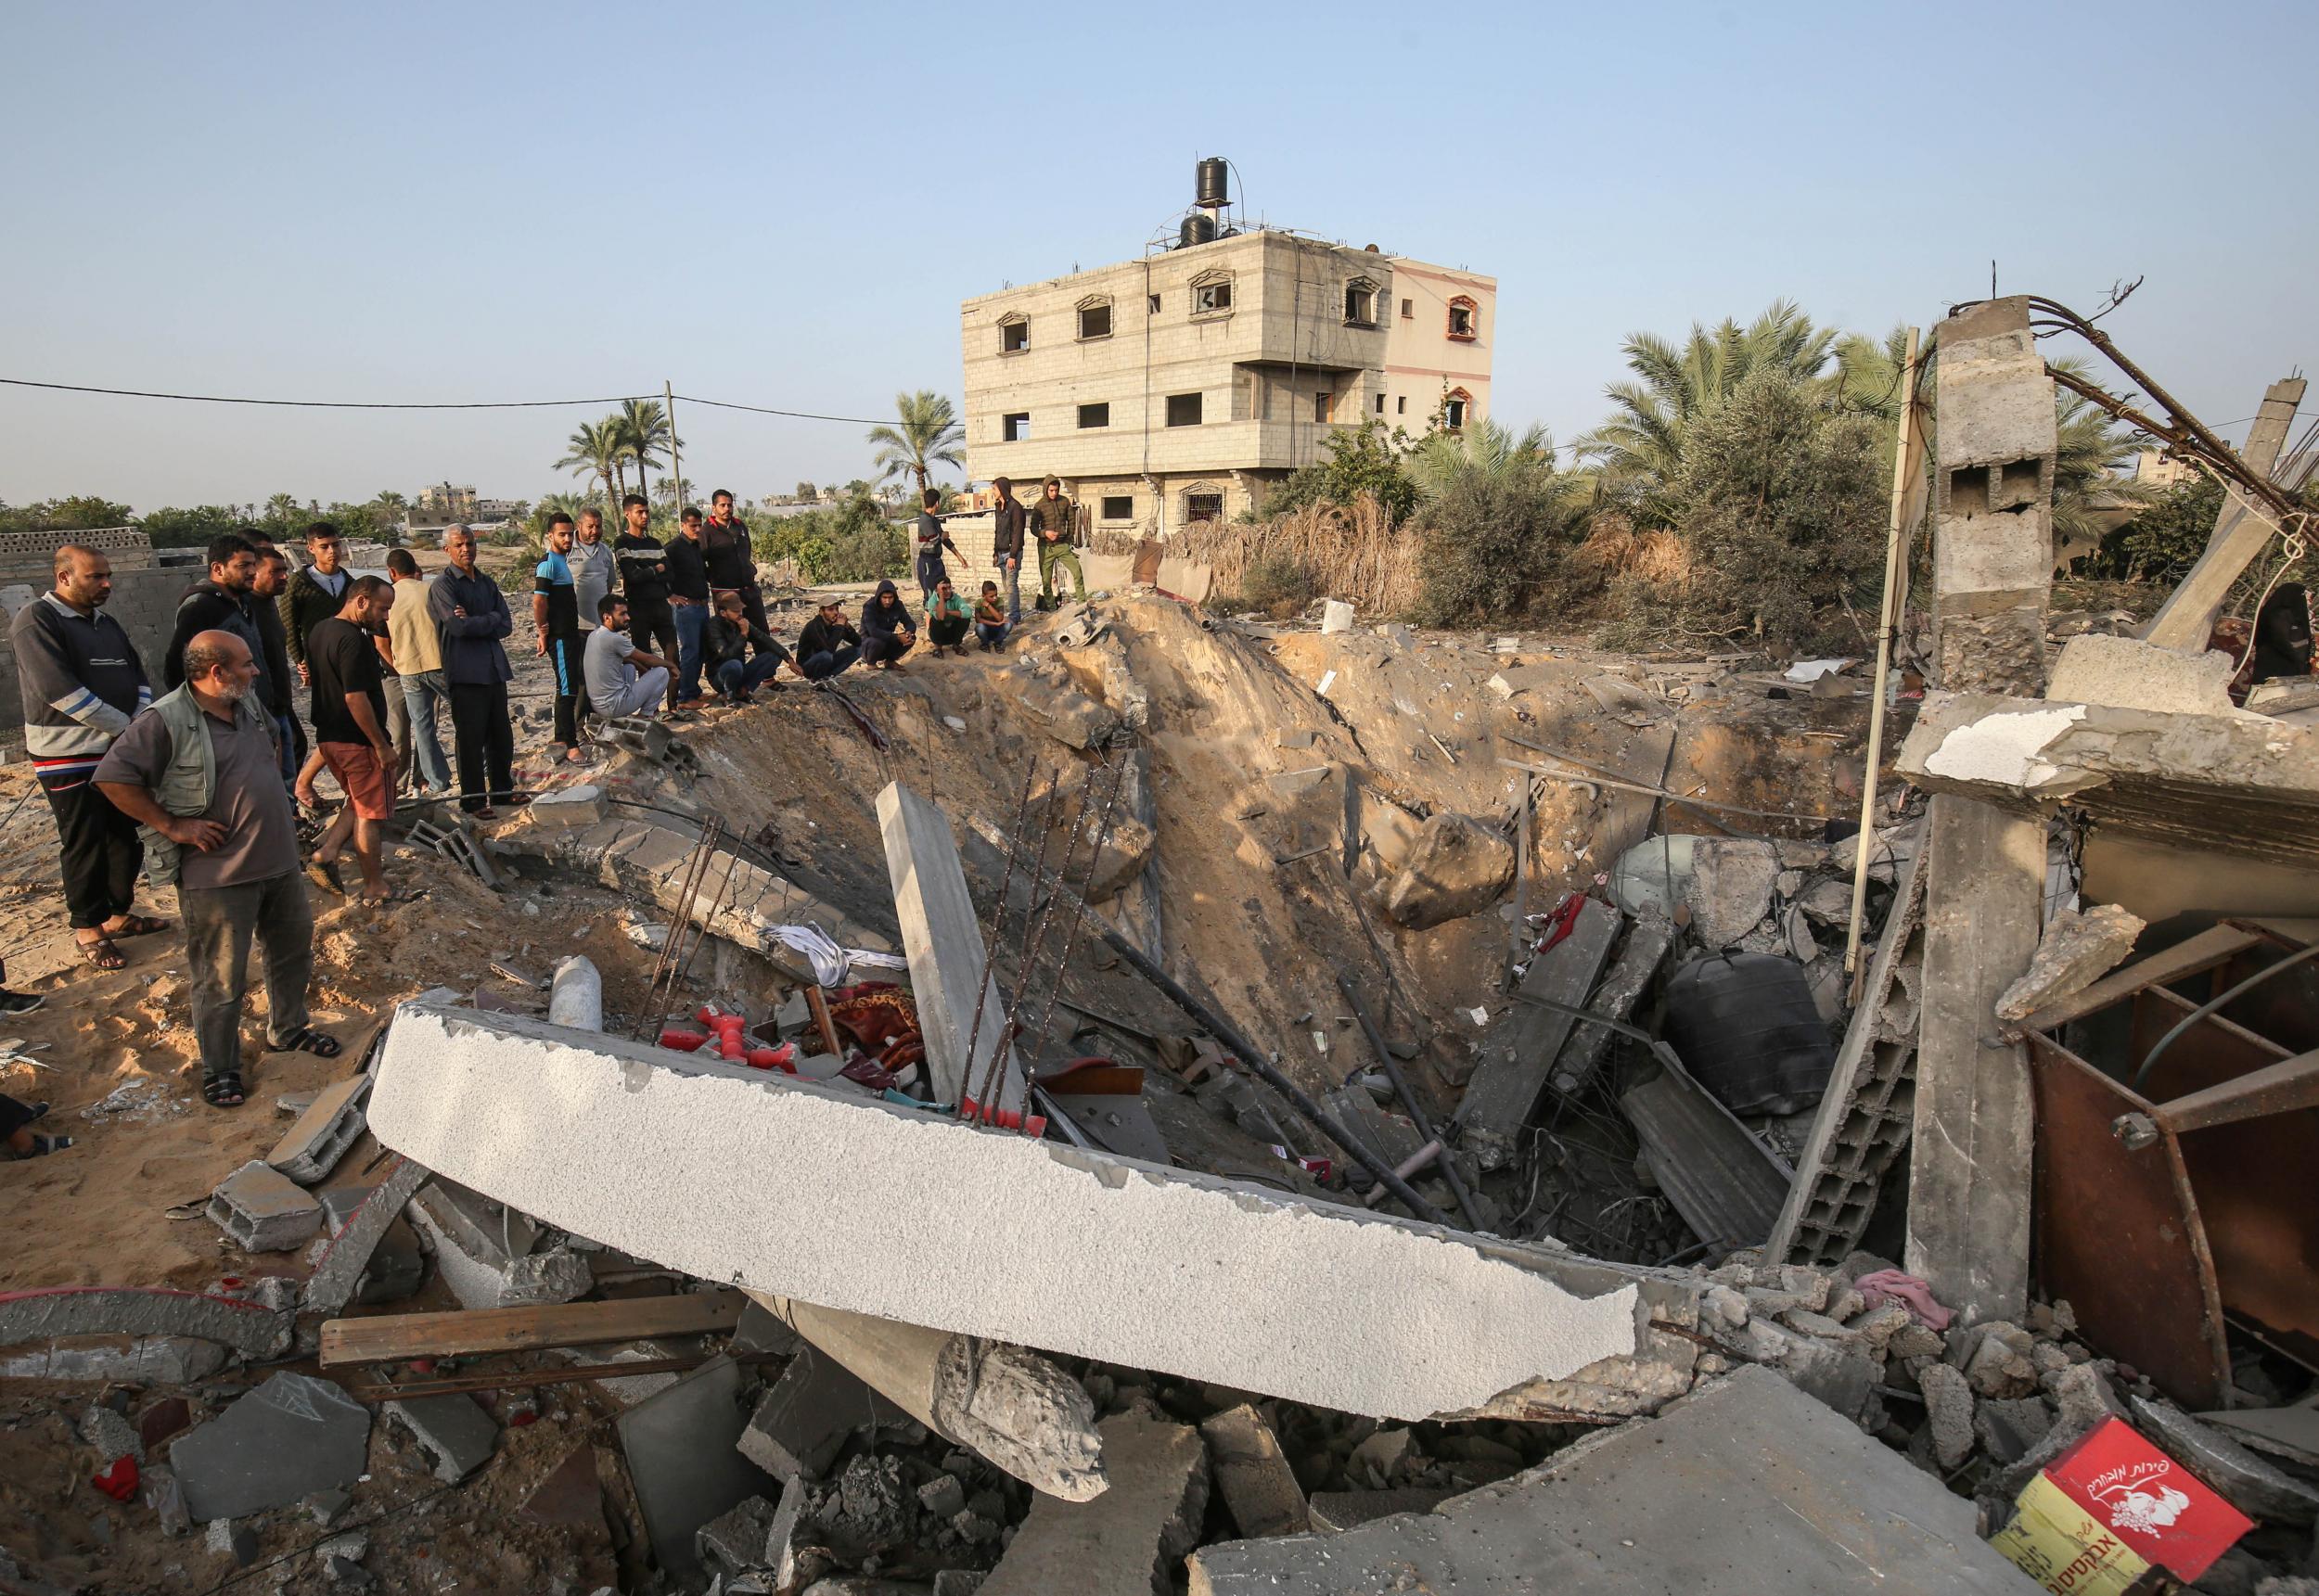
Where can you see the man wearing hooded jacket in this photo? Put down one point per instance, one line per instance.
(1050, 522)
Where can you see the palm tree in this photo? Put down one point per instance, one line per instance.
(2088, 449)
(645, 434)
(1641, 446)
(929, 435)
(594, 451)
(389, 503)
(1484, 450)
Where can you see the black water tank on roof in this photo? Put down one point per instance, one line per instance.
(1199, 229)
(1746, 1027)
(1212, 182)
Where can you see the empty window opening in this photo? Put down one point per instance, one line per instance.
(1361, 304)
(1323, 402)
(1014, 337)
(1152, 303)
(1453, 412)
(1203, 506)
(1461, 317)
(1015, 428)
(1207, 297)
(1409, 309)
(1119, 507)
(1381, 404)
(1095, 322)
(1095, 416)
(1184, 409)
(1400, 405)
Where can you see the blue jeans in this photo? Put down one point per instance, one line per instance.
(422, 690)
(289, 747)
(826, 664)
(692, 621)
(1011, 578)
(992, 636)
(747, 675)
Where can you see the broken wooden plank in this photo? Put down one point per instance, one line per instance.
(2213, 946)
(1520, 1049)
(390, 1338)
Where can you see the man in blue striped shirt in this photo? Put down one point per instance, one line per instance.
(81, 683)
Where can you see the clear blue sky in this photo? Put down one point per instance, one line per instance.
(785, 206)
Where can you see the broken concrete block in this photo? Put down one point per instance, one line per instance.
(760, 1331)
(2100, 668)
(264, 1211)
(1682, 1501)
(871, 1510)
(2078, 948)
(942, 938)
(2008, 1426)
(112, 1436)
(483, 1252)
(800, 1422)
(1383, 1457)
(1457, 866)
(574, 806)
(943, 1497)
(312, 1148)
(1730, 889)
(291, 1437)
(343, 1269)
(735, 1543)
(1253, 1474)
(661, 1157)
(1949, 1411)
(454, 1432)
(1333, 1510)
(683, 1460)
(138, 1360)
(1125, 1542)
(2249, 1483)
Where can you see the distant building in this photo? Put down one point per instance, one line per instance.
(1180, 387)
(2152, 470)
(453, 503)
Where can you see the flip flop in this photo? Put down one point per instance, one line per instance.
(324, 873)
(309, 1040)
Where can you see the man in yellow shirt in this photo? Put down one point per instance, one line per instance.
(415, 649)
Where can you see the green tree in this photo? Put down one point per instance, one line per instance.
(928, 433)
(1641, 447)
(645, 435)
(2088, 449)
(74, 513)
(176, 528)
(1369, 459)
(2165, 539)
(1440, 460)
(1500, 524)
(593, 451)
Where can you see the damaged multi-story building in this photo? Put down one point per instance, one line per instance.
(1178, 387)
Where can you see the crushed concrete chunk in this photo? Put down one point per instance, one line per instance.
(2078, 948)
(1126, 1541)
(804, 1418)
(454, 1433)
(1948, 1410)
(264, 1211)
(1253, 1474)
(1457, 866)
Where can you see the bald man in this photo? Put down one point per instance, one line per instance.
(83, 683)
(222, 829)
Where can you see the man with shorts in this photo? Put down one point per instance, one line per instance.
(350, 716)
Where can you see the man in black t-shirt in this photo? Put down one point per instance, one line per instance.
(645, 582)
(350, 714)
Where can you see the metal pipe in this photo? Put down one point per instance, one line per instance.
(2299, 956)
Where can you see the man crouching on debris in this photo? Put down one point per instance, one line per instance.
(888, 633)
(197, 770)
(827, 644)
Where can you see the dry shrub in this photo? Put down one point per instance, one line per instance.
(1357, 554)
(1657, 556)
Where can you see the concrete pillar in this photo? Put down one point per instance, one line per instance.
(1015, 1407)
(2186, 618)
(1969, 1207)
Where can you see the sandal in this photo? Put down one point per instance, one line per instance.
(138, 925)
(324, 873)
(102, 954)
(309, 1040)
(223, 1090)
(44, 1145)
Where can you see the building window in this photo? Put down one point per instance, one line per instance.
(1014, 335)
(1381, 404)
(1184, 409)
(1464, 319)
(1361, 303)
(1094, 415)
(1400, 405)
(1015, 428)
(1454, 404)
(1211, 293)
(1409, 309)
(1119, 507)
(1323, 402)
(1094, 318)
(1203, 507)
(1153, 303)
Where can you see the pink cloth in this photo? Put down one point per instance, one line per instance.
(1892, 1286)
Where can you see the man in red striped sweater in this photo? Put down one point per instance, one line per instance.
(81, 681)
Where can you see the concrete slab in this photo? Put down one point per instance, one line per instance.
(1125, 1542)
(683, 1461)
(453, 1431)
(705, 1167)
(340, 1273)
(312, 1148)
(291, 1437)
(1748, 1486)
(1332, 1510)
(483, 1250)
(943, 937)
(804, 1418)
(264, 1211)
(251, 1328)
(1253, 1476)
(1517, 1052)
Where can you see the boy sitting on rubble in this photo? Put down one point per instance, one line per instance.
(947, 618)
(725, 645)
(990, 616)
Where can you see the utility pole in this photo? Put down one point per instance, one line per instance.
(2186, 620)
(675, 463)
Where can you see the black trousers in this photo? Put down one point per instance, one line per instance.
(101, 852)
(659, 628)
(486, 743)
(563, 655)
(947, 631)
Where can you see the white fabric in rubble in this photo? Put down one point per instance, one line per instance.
(833, 965)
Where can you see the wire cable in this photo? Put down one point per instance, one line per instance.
(324, 403)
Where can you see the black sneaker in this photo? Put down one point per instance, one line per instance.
(19, 1002)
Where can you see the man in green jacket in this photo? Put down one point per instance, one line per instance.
(197, 770)
(1050, 523)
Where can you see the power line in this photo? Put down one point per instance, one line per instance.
(324, 403)
(800, 414)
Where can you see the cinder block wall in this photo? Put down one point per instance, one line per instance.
(145, 602)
